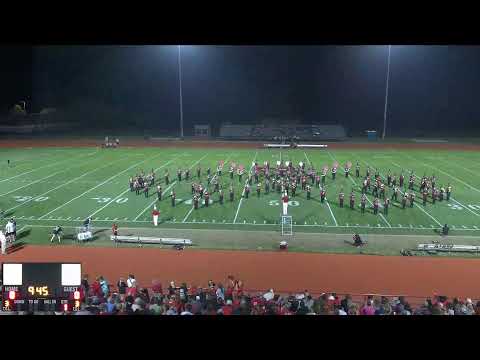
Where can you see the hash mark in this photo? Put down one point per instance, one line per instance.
(125, 219)
(264, 221)
(115, 219)
(475, 227)
(464, 226)
(213, 221)
(378, 225)
(254, 221)
(203, 220)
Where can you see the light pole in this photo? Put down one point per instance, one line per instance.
(386, 93)
(180, 82)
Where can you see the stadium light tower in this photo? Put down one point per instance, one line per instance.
(180, 87)
(386, 93)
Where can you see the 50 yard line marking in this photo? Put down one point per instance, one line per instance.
(93, 188)
(127, 190)
(193, 207)
(243, 192)
(350, 177)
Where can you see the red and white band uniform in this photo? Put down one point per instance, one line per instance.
(285, 203)
(155, 214)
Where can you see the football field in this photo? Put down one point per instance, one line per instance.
(44, 187)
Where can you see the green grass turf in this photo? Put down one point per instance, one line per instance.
(49, 186)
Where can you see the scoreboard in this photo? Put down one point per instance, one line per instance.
(41, 286)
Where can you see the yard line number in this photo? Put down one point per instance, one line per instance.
(28, 198)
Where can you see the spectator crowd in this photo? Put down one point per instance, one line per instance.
(126, 297)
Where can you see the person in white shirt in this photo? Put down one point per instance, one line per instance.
(3, 243)
(10, 231)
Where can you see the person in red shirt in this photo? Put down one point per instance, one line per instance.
(227, 309)
(155, 215)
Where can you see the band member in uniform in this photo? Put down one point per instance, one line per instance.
(449, 191)
(382, 191)
(386, 203)
(394, 180)
(364, 186)
(442, 192)
(401, 179)
(324, 175)
(347, 171)
(198, 172)
(57, 231)
(375, 206)
(294, 188)
(216, 186)
(424, 196)
(208, 171)
(334, 172)
(136, 185)
(433, 180)
(209, 179)
(317, 180)
(285, 203)
(145, 190)
(377, 174)
(389, 178)
(434, 195)
(368, 182)
(240, 173)
(309, 190)
(167, 181)
(250, 180)
(341, 197)
(179, 175)
(231, 193)
(195, 201)
(357, 170)
(187, 174)
(363, 202)
(404, 200)
(304, 182)
(207, 198)
(410, 183)
(247, 190)
(219, 170)
(258, 189)
(173, 196)
(352, 200)
(256, 176)
(412, 199)
(130, 183)
(322, 194)
(220, 196)
(231, 172)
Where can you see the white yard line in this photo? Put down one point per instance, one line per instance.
(46, 177)
(36, 169)
(243, 192)
(354, 183)
(93, 188)
(124, 192)
(213, 177)
(459, 203)
(62, 185)
(443, 172)
(331, 212)
(154, 201)
(329, 208)
(418, 206)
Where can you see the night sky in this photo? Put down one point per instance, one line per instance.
(431, 87)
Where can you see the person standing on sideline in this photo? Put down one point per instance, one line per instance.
(3, 243)
(155, 214)
(115, 231)
(285, 203)
(57, 231)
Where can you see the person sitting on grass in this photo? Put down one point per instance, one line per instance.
(357, 240)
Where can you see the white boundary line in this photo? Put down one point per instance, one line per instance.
(243, 192)
(354, 182)
(102, 183)
(58, 187)
(123, 192)
(213, 177)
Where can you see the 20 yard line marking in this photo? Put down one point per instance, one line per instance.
(102, 183)
(243, 192)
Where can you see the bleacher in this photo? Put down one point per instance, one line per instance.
(150, 240)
